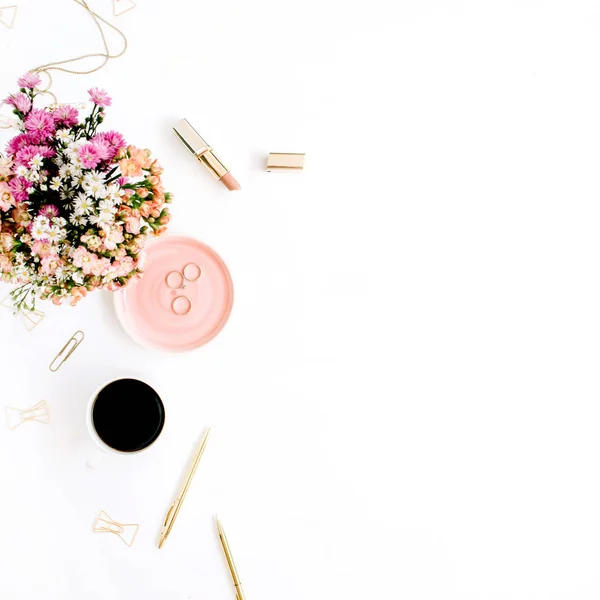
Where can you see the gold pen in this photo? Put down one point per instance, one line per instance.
(175, 507)
(239, 592)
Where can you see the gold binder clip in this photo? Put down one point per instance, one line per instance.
(127, 532)
(66, 351)
(15, 417)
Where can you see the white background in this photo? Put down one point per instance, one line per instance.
(405, 400)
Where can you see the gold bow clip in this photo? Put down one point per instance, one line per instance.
(15, 417)
(127, 532)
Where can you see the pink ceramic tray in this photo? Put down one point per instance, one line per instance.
(145, 306)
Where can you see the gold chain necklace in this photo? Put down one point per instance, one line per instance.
(59, 65)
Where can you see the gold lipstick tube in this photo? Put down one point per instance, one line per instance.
(194, 142)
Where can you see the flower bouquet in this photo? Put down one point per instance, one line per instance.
(76, 205)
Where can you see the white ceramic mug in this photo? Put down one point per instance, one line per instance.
(101, 447)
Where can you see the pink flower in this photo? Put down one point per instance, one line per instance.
(18, 142)
(114, 138)
(24, 155)
(20, 101)
(50, 263)
(66, 115)
(50, 211)
(7, 200)
(99, 97)
(20, 188)
(41, 249)
(41, 122)
(103, 149)
(113, 238)
(88, 156)
(133, 225)
(124, 266)
(29, 80)
(81, 256)
(101, 266)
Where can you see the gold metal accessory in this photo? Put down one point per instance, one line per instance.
(7, 123)
(120, 7)
(8, 14)
(239, 592)
(30, 318)
(66, 351)
(181, 305)
(104, 56)
(78, 105)
(176, 506)
(176, 280)
(285, 161)
(127, 532)
(15, 417)
(199, 148)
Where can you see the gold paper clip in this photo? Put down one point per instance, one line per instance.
(16, 416)
(66, 351)
(127, 532)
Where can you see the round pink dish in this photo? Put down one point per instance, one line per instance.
(145, 307)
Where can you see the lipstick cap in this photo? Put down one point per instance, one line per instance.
(190, 138)
(285, 161)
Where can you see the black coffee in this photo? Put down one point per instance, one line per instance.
(128, 415)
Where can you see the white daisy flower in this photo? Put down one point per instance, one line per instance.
(107, 204)
(33, 176)
(43, 187)
(37, 161)
(94, 177)
(54, 235)
(64, 171)
(55, 184)
(43, 222)
(38, 232)
(21, 170)
(78, 220)
(64, 136)
(95, 189)
(83, 205)
(59, 222)
(78, 277)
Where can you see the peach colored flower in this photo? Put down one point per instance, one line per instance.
(50, 263)
(20, 214)
(5, 263)
(130, 168)
(77, 293)
(146, 209)
(156, 169)
(142, 192)
(41, 249)
(133, 225)
(6, 198)
(7, 241)
(113, 286)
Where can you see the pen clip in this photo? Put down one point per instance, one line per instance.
(170, 515)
